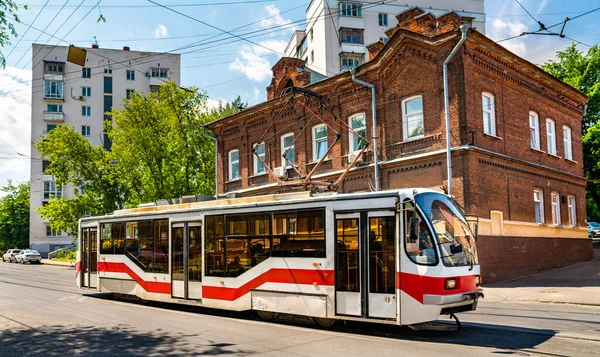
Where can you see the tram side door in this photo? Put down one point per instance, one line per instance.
(89, 258)
(186, 260)
(366, 264)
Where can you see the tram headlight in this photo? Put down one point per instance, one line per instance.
(450, 284)
(477, 280)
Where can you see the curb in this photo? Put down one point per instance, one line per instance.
(60, 264)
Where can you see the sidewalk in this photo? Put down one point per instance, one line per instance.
(62, 264)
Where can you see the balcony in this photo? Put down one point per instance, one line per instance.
(54, 116)
(156, 81)
(353, 48)
(351, 22)
(53, 77)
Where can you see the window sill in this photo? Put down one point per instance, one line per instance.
(258, 175)
(233, 181)
(408, 140)
(493, 136)
(315, 162)
(538, 150)
(554, 156)
(572, 161)
(542, 224)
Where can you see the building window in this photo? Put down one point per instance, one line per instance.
(259, 159)
(108, 85)
(128, 93)
(555, 197)
(489, 114)
(383, 19)
(86, 73)
(55, 68)
(534, 130)
(349, 63)
(551, 136)
(538, 201)
(352, 10)
(54, 108)
(319, 141)
(412, 118)
(353, 36)
(51, 190)
(357, 122)
(567, 143)
(51, 232)
(130, 75)
(287, 150)
(572, 211)
(107, 71)
(49, 128)
(383, 39)
(234, 165)
(86, 111)
(53, 89)
(159, 73)
(85, 130)
(310, 35)
(45, 166)
(86, 91)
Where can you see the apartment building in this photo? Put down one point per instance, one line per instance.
(337, 32)
(516, 151)
(66, 93)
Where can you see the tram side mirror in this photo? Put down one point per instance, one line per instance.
(456, 248)
(413, 229)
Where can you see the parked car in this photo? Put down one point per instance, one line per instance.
(10, 255)
(28, 255)
(593, 229)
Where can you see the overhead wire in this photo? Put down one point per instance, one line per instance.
(26, 31)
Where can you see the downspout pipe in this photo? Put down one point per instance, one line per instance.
(206, 134)
(374, 111)
(463, 29)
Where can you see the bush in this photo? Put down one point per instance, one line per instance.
(66, 255)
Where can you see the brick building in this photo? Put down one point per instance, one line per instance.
(516, 138)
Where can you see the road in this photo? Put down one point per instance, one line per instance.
(43, 313)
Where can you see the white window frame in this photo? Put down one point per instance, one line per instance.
(86, 111)
(108, 71)
(351, 148)
(128, 93)
(86, 130)
(489, 128)
(349, 9)
(59, 108)
(130, 75)
(315, 142)
(256, 161)
(58, 91)
(539, 201)
(406, 117)
(534, 130)
(159, 72)
(551, 136)
(86, 91)
(572, 210)
(555, 201)
(54, 190)
(53, 233)
(86, 72)
(283, 148)
(231, 163)
(567, 142)
(383, 19)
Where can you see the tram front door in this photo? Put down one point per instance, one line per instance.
(89, 258)
(186, 260)
(366, 264)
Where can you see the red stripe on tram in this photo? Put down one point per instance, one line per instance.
(275, 275)
(149, 286)
(418, 285)
(77, 267)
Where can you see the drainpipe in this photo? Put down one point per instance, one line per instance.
(463, 28)
(216, 160)
(374, 111)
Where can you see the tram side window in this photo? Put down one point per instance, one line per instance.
(106, 243)
(247, 243)
(161, 246)
(215, 245)
(299, 234)
(419, 243)
(382, 259)
(118, 234)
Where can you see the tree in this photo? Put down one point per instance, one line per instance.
(74, 161)
(158, 142)
(14, 217)
(8, 10)
(582, 71)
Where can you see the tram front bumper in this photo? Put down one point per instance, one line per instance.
(445, 301)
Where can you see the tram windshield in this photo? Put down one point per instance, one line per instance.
(454, 236)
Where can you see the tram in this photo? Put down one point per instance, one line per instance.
(400, 257)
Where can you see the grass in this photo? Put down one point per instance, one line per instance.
(66, 256)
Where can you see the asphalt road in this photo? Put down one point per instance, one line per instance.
(43, 313)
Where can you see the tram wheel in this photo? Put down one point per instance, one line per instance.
(265, 315)
(324, 322)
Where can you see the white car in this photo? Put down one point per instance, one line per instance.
(28, 255)
(10, 255)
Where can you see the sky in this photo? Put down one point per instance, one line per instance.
(223, 65)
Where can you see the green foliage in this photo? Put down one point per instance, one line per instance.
(14, 217)
(66, 256)
(582, 71)
(8, 8)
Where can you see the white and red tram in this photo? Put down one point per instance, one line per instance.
(402, 257)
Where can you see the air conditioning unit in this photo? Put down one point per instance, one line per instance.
(280, 172)
(81, 97)
(353, 156)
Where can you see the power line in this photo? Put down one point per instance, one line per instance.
(178, 5)
(26, 31)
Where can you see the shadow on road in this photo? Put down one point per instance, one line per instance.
(61, 340)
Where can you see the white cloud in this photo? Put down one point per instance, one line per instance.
(255, 94)
(214, 103)
(160, 31)
(15, 125)
(503, 29)
(253, 62)
(275, 19)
